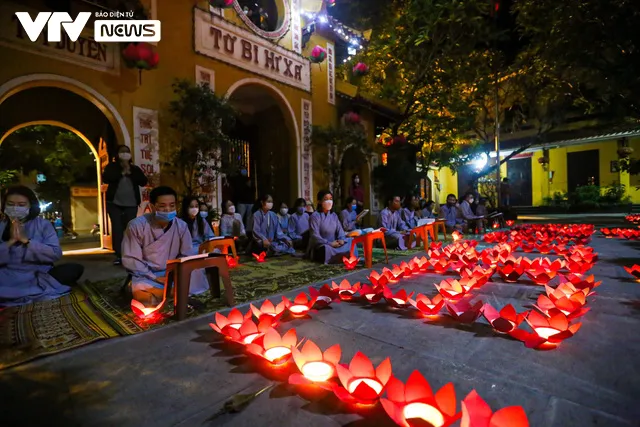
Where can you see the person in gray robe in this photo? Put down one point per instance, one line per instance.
(349, 215)
(397, 229)
(266, 233)
(299, 225)
(410, 212)
(327, 241)
(150, 241)
(29, 247)
(231, 224)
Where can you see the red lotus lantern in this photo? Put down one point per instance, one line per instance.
(440, 266)
(373, 294)
(634, 271)
(300, 306)
(451, 290)
(464, 312)
(578, 267)
(510, 222)
(476, 413)
(260, 257)
(141, 56)
(549, 331)
(314, 365)
(269, 311)
(540, 276)
(234, 321)
(360, 69)
(413, 267)
(361, 383)
(504, 321)
(510, 273)
(231, 262)
(249, 331)
(527, 247)
(398, 300)
(414, 403)
(274, 348)
(378, 279)
(351, 262)
(572, 308)
(428, 307)
(580, 282)
(480, 275)
(345, 290)
(406, 269)
(323, 296)
(318, 55)
(148, 314)
(393, 275)
(456, 235)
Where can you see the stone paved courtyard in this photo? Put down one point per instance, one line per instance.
(184, 373)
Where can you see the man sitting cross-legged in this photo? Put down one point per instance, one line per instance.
(150, 241)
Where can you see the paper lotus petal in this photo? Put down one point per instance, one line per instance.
(323, 296)
(233, 321)
(314, 365)
(634, 271)
(435, 245)
(414, 402)
(399, 300)
(345, 290)
(231, 262)
(477, 413)
(549, 331)
(360, 382)
(301, 304)
(378, 279)
(510, 273)
(428, 306)
(451, 290)
(394, 274)
(351, 262)
(510, 222)
(249, 332)
(260, 257)
(571, 308)
(440, 266)
(580, 282)
(541, 276)
(372, 294)
(464, 312)
(456, 235)
(274, 348)
(269, 311)
(505, 320)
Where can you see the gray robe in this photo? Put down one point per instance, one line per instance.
(394, 225)
(146, 249)
(325, 229)
(267, 227)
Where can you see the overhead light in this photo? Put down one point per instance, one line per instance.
(351, 51)
(323, 19)
(344, 60)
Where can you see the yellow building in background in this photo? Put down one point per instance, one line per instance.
(261, 66)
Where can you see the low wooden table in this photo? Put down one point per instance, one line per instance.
(367, 243)
(179, 271)
(440, 225)
(420, 233)
(222, 244)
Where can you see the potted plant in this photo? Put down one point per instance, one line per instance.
(625, 151)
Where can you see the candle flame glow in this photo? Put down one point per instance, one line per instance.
(399, 301)
(298, 309)
(317, 371)
(546, 332)
(424, 412)
(250, 338)
(276, 355)
(374, 384)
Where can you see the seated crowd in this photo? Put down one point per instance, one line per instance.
(29, 246)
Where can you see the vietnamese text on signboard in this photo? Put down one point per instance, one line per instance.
(218, 39)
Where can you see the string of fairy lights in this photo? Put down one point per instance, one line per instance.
(354, 39)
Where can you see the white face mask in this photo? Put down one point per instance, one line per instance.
(194, 211)
(124, 156)
(356, 181)
(17, 212)
(269, 205)
(231, 210)
(327, 204)
(284, 211)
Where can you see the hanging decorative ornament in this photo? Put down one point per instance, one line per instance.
(360, 69)
(351, 118)
(318, 55)
(331, 3)
(222, 4)
(400, 139)
(141, 56)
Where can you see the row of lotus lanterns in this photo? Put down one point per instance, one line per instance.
(621, 233)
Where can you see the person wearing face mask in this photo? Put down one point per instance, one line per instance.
(357, 192)
(397, 234)
(283, 218)
(150, 241)
(349, 216)
(299, 225)
(123, 195)
(231, 224)
(266, 232)
(29, 247)
(200, 230)
(451, 214)
(327, 241)
(473, 221)
(410, 212)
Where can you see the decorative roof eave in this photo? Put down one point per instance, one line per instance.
(595, 138)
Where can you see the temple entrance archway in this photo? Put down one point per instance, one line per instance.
(266, 140)
(71, 106)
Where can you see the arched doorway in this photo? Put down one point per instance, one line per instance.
(42, 103)
(266, 140)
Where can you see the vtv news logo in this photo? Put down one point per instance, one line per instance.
(116, 30)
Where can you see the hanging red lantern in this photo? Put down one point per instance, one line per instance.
(141, 56)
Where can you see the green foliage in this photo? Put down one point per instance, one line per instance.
(8, 177)
(200, 124)
(60, 155)
(345, 147)
(399, 176)
(589, 197)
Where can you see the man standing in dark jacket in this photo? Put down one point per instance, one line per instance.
(123, 195)
(244, 193)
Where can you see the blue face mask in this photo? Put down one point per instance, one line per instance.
(204, 214)
(300, 210)
(166, 216)
(243, 172)
(354, 207)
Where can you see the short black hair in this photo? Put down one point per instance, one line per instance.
(452, 195)
(163, 190)
(391, 199)
(349, 200)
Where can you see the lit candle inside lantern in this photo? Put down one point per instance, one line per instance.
(298, 310)
(399, 301)
(323, 298)
(424, 412)
(235, 325)
(346, 295)
(546, 332)
(317, 371)
(372, 383)
(277, 355)
(250, 338)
